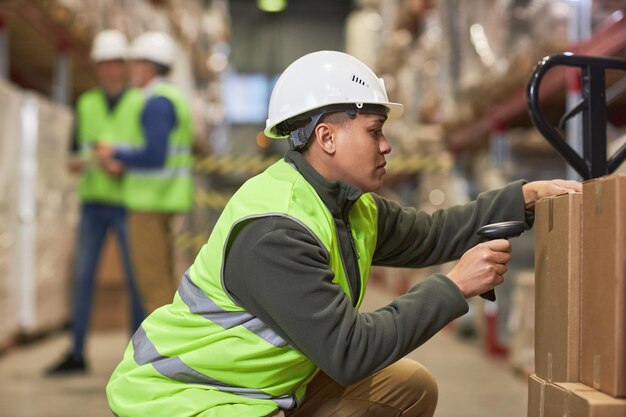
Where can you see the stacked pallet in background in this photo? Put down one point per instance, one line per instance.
(580, 303)
(37, 214)
(10, 101)
(47, 215)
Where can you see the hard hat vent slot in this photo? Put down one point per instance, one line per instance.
(359, 81)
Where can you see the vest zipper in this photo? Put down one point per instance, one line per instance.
(352, 243)
(355, 256)
(345, 216)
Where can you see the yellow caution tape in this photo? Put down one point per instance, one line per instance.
(249, 165)
(186, 240)
(210, 199)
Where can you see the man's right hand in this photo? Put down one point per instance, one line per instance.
(76, 165)
(482, 267)
(103, 151)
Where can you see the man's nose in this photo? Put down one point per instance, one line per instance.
(385, 146)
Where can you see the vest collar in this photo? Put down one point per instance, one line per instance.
(336, 195)
(148, 89)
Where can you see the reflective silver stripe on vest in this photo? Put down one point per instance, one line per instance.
(128, 147)
(161, 173)
(201, 304)
(173, 150)
(174, 368)
(144, 350)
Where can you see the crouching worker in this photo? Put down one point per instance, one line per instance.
(266, 321)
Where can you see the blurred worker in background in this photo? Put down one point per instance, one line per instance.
(105, 114)
(266, 321)
(158, 177)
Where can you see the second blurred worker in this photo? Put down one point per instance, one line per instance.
(158, 180)
(108, 114)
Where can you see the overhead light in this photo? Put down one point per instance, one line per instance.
(271, 6)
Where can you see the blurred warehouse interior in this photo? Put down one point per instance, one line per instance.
(459, 67)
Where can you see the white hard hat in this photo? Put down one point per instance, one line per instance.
(322, 79)
(157, 47)
(108, 45)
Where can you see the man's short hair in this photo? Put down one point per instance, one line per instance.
(161, 70)
(337, 118)
(301, 128)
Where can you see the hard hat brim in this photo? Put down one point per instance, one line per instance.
(396, 110)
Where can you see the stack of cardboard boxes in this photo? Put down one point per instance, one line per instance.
(580, 263)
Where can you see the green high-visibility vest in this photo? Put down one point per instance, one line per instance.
(120, 127)
(204, 353)
(168, 188)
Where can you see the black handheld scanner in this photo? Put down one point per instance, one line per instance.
(503, 230)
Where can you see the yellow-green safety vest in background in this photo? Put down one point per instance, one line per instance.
(120, 127)
(206, 355)
(167, 188)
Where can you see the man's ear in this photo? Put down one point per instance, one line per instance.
(325, 135)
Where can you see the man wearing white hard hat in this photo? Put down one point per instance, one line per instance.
(158, 180)
(108, 114)
(266, 320)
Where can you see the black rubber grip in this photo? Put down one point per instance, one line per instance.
(503, 230)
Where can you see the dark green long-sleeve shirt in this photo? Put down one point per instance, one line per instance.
(278, 272)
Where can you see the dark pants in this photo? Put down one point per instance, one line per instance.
(95, 221)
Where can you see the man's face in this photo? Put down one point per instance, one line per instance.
(111, 74)
(141, 72)
(360, 153)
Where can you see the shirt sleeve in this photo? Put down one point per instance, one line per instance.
(158, 119)
(408, 237)
(278, 272)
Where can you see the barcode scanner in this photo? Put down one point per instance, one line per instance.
(502, 230)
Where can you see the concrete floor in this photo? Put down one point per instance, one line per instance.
(470, 383)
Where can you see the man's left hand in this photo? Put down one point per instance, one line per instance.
(112, 167)
(536, 190)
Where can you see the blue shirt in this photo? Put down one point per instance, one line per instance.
(158, 119)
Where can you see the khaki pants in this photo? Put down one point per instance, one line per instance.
(152, 252)
(405, 389)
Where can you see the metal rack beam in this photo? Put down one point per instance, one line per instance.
(609, 39)
(38, 33)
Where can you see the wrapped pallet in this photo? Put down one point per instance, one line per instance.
(10, 100)
(46, 216)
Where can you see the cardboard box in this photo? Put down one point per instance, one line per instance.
(579, 400)
(557, 287)
(555, 401)
(568, 399)
(536, 392)
(603, 307)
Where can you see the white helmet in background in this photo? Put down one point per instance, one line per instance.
(319, 83)
(156, 47)
(108, 45)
